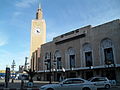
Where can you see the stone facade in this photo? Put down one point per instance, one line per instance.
(38, 32)
(85, 52)
(38, 37)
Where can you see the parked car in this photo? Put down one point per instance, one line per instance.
(2, 77)
(21, 76)
(70, 84)
(101, 82)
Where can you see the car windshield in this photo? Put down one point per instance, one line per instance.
(90, 79)
(63, 81)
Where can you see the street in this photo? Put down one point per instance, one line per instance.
(37, 84)
(113, 88)
(17, 84)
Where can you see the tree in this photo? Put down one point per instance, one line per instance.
(31, 74)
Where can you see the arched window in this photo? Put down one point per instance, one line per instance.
(71, 57)
(58, 59)
(46, 56)
(87, 52)
(47, 60)
(107, 51)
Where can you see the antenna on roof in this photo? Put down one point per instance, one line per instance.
(39, 6)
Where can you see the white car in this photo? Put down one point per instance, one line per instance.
(101, 82)
(2, 77)
(70, 84)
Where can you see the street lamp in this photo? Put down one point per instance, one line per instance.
(63, 69)
(114, 66)
(108, 63)
(54, 68)
(48, 62)
(13, 72)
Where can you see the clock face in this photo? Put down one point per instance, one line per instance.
(37, 31)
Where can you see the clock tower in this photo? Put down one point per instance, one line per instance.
(38, 31)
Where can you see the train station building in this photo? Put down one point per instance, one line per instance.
(85, 52)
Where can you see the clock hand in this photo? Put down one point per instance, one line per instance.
(38, 31)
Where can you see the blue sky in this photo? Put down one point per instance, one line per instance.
(61, 16)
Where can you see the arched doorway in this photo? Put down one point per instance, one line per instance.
(88, 59)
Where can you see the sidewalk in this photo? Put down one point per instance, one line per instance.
(16, 85)
(20, 89)
(116, 86)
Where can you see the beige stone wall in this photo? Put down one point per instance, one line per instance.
(37, 39)
(93, 36)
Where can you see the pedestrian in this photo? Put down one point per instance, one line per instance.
(12, 80)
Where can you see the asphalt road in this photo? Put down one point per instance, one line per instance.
(113, 88)
(38, 84)
(17, 84)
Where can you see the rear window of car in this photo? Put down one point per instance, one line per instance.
(99, 79)
(77, 81)
(74, 81)
(102, 79)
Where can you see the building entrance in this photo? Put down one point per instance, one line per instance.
(89, 74)
(110, 74)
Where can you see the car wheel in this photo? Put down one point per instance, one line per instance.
(50, 89)
(107, 86)
(86, 88)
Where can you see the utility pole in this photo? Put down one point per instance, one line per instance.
(13, 65)
(13, 72)
(50, 69)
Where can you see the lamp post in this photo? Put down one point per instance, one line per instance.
(50, 69)
(63, 69)
(44, 75)
(48, 62)
(13, 72)
(54, 68)
(108, 63)
(54, 73)
(114, 66)
(51, 66)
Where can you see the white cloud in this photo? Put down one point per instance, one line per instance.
(3, 39)
(25, 3)
(2, 43)
(17, 13)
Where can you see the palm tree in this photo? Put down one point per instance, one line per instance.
(31, 74)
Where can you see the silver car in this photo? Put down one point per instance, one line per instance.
(101, 82)
(71, 84)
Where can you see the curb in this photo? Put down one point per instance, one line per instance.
(116, 86)
(20, 89)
